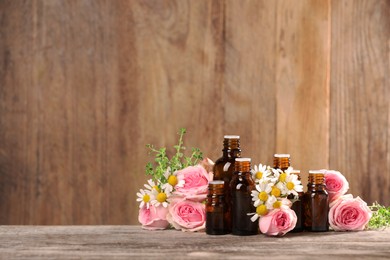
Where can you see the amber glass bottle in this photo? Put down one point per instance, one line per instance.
(316, 203)
(241, 187)
(297, 206)
(224, 166)
(217, 214)
(281, 161)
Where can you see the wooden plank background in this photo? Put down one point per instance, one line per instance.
(84, 85)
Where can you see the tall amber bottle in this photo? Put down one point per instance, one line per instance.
(241, 187)
(224, 168)
(316, 203)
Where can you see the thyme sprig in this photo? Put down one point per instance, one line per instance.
(178, 161)
(380, 216)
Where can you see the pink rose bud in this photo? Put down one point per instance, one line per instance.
(208, 164)
(195, 181)
(349, 214)
(278, 222)
(336, 184)
(153, 218)
(187, 215)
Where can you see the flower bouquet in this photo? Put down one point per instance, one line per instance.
(176, 192)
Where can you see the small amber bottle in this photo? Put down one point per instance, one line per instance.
(241, 187)
(316, 203)
(217, 214)
(281, 161)
(224, 167)
(297, 206)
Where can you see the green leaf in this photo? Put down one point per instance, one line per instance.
(380, 216)
(178, 161)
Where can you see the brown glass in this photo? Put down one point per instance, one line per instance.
(217, 214)
(281, 162)
(224, 167)
(297, 206)
(316, 204)
(241, 187)
(231, 150)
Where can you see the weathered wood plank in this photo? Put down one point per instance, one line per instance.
(123, 242)
(249, 87)
(177, 79)
(302, 83)
(17, 179)
(360, 88)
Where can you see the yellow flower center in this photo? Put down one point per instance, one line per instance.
(276, 191)
(282, 177)
(161, 197)
(259, 175)
(263, 196)
(156, 188)
(277, 204)
(172, 180)
(261, 210)
(146, 198)
(290, 185)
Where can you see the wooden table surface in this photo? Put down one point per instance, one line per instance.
(125, 242)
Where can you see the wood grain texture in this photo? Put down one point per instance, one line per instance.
(301, 83)
(17, 179)
(360, 95)
(102, 79)
(124, 242)
(84, 85)
(249, 85)
(179, 59)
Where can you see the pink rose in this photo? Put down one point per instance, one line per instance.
(193, 182)
(208, 164)
(336, 184)
(278, 222)
(348, 213)
(153, 218)
(187, 215)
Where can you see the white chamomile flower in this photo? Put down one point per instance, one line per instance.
(260, 172)
(145, 197)
(152, 185)
(172, 181)
(280, 176)
(160, 198)
(276, 175)
(293, 185)
(261, 194)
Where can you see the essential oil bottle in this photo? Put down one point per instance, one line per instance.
(217, 214)
(241, 187)
(316, 203)
(281, 161)
(224, 167)
(297, 206)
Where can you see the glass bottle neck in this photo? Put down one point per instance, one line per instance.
(316, 182)
(242, 167)
(231, 153)
(281, 163)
